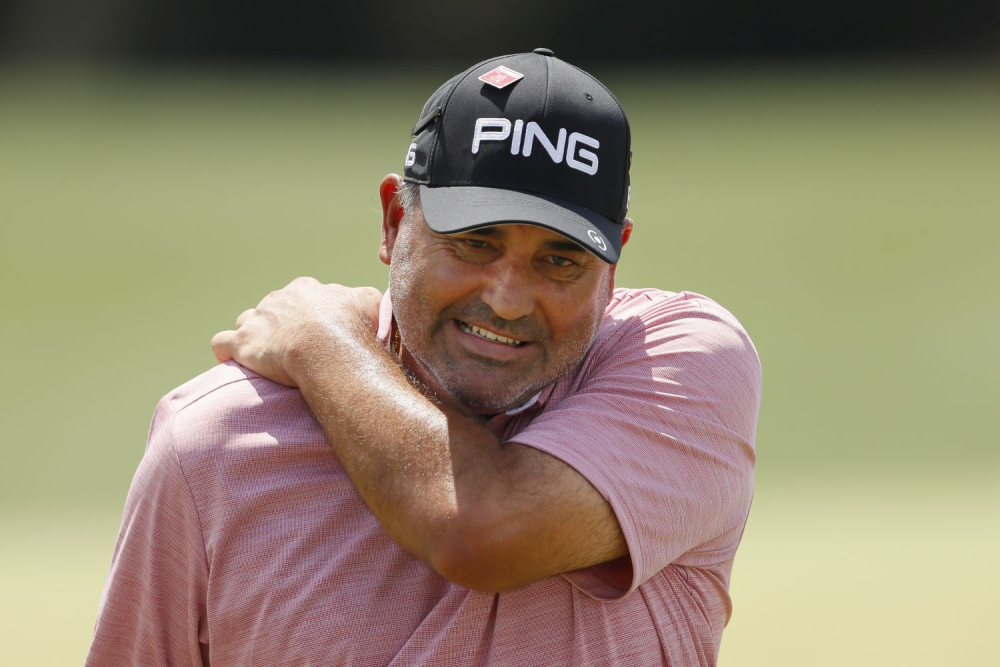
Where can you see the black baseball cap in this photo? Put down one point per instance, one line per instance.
(524, 138)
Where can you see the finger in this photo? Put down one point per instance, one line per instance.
(244, 315)
(222, 345)
(367, 297)
(303, 281)
(371, 293)
(368, 300)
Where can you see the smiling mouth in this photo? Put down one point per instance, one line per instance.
(488, 335)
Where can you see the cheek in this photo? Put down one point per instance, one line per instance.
(574, 318)
(421, 290)
(408, 302)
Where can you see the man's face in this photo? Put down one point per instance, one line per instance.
(494, 315)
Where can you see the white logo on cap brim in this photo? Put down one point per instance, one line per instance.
(597, 239)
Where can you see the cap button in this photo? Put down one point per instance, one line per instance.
(544, 52)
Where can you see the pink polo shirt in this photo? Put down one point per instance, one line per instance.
(244, 540)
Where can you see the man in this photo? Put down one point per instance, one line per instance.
(505, 460)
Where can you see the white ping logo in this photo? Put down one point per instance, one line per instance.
(568, 146)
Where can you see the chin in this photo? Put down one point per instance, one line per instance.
(489, 402)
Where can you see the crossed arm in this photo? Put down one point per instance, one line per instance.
(485, 514)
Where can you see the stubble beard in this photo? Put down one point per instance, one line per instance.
(410, 308)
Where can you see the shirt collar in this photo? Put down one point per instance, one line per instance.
(530, 402)
(385, 321)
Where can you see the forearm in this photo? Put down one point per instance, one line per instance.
(414, 462)
(484, 514)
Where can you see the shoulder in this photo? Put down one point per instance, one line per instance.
(664, 346)
(647, 308)
(215, 411)
(676, 350)
(674, 323)
(228, 380)
(660, 418)
(653, 324)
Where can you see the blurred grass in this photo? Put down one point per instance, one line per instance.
(897, 572)
(872, 572)
(847, 216)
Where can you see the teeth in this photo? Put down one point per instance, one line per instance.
(489, 335)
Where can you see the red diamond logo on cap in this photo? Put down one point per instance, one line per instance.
(501, 77)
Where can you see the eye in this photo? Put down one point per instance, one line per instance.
(474, 250)
(560, 261)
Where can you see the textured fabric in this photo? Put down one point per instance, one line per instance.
(244, 540)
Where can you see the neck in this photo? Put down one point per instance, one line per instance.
(425, 381)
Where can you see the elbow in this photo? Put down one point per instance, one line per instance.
(473, 558)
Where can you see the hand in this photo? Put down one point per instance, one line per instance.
(287, 324)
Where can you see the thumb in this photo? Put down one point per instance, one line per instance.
(222, 345)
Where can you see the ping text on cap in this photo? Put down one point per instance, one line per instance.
(524, 135)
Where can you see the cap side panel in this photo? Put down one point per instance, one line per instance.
(626, 177)
(437, 136)
(418, 173)
(621, 111)
(543, 108)
(592, 119)
(457, 79)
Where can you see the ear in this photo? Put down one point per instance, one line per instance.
(627, 230)
(626, 235)
(392, 215)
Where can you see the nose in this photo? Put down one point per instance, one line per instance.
(510, 291)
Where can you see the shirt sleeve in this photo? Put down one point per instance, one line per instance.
(152, 609)
(662, 423)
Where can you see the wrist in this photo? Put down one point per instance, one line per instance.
(329, 346)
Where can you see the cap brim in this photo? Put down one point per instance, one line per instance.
(457, 209)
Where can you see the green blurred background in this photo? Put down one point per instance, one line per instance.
(846, 213)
